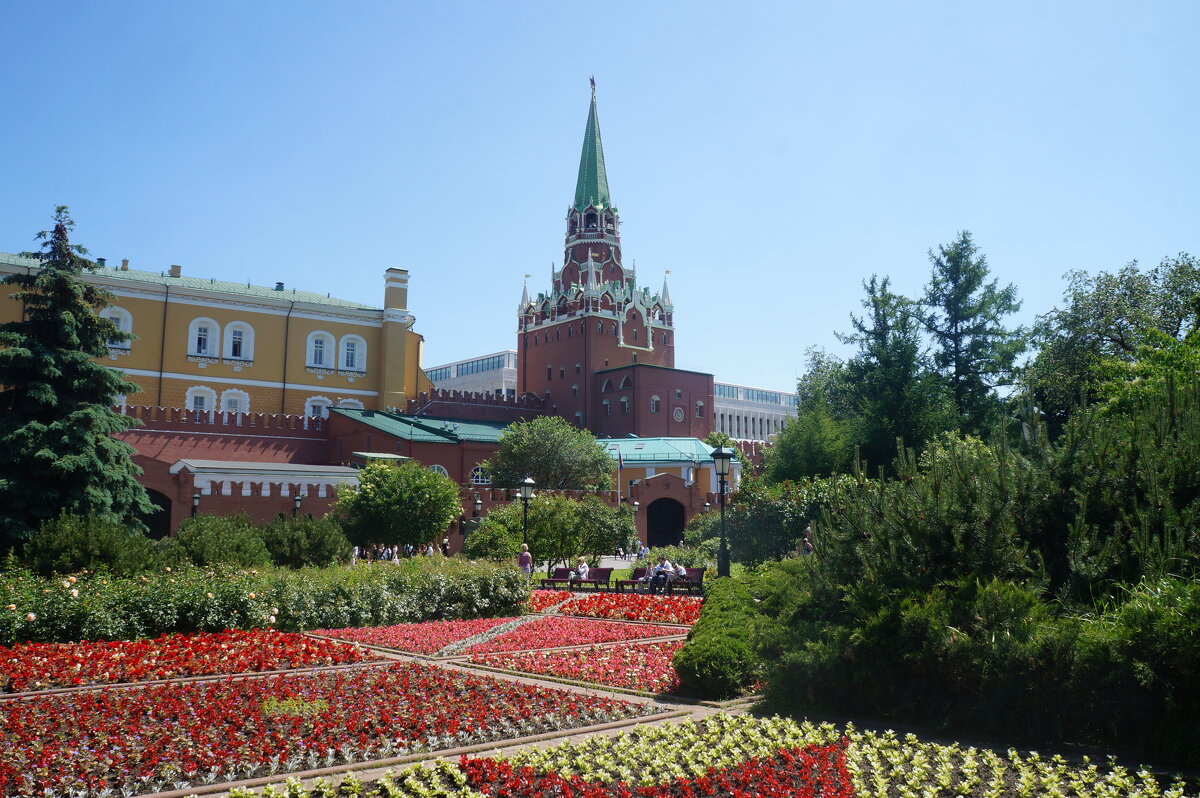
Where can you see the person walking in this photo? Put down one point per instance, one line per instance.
(525, 561)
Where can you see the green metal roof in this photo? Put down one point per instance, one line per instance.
(592, 186)
(201, 284)
(426, 429)
(645, 450)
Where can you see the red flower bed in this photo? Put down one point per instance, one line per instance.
(554, 632)
(418, 638)
(145, 739)
(633, 666)
(637, 607)
(792, 773)
(38, 666)
(541, 599)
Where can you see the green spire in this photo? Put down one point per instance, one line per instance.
(592, 186)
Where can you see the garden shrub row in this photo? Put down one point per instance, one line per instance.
(719, 659)
(192, 599)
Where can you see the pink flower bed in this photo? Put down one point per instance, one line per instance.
(632, 666)
(39, 666)
(637, 607)
(551, 632)
(417, 638)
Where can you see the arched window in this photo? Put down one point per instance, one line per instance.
(201, 398)
(579, 417)
(239, 341)
(654, 401)
(122, 319)
(350, 404)
(204, 338)
(624, 405)
(354, 353)
(479, 476)
(607, 386)
(607, 405)
(320, 350)
(699, 409)
(437, 469)
(599, 326)
(318, 406)
(575, 391)
(235, 401)
(626, 383)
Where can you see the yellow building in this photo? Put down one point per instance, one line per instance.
(240, 348)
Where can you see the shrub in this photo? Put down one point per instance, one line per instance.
(223, 540)
(719, 660)
(304, 541)
(689, 558)
(73, 543)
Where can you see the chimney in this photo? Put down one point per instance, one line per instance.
(175, 270)
(124, 264)
(278, 286)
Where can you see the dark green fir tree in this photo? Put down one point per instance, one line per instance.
(57, 450)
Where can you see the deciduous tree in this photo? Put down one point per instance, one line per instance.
(398, 503)
(555, 454)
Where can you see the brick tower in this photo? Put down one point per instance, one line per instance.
(597, 348)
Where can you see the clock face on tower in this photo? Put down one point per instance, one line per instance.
(679, 414)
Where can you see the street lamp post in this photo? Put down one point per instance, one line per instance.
(296, 503)
(478, 506)
(526, 494)
(707, 506)
(722, 457)
(195, 502)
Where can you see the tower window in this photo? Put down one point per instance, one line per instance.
(607, 407)
(577, 367)
(562, 372)
(654, 401)
(599, 326)
(549, 373)
(699, 409)
(575, 391)
(625, 405)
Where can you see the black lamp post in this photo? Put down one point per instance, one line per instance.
(722, 457)
(296, 503)
(707, 506)
(195, 502)
(478, 506)
(526, 492)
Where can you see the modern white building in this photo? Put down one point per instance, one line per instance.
(751, 414)
(494, 373)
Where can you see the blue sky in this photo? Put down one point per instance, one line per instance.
(772, 156)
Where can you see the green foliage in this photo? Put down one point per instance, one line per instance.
(303, 541)
(767, 522)
(222, 540)
(57, 450)
(560, 529)
(556, 455)
(972, 349)
(676, 555)
(190, 599)
(398, 504)
(719, 660)
(73, 543)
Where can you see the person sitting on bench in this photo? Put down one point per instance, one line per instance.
(661, 575)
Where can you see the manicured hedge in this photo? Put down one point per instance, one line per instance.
(189, 599)
(719, 660)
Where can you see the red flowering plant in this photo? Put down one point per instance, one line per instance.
(631, 666)
(146, 739)
(417, 638)
(540, 600)
(816, 771)
(39, 666)
(552, 632)
(637, 607)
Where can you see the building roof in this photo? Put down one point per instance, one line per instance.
(199, 284)
(252, 470)
(426, 429)
(641, 451)
(591, 189)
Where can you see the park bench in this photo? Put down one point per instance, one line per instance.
(693, 583)
(635, 579)
(561, 576)
(596, 577)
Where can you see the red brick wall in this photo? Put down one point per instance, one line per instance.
(647, 382)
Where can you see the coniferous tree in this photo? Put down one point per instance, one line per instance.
(57, 450)
(972, 349)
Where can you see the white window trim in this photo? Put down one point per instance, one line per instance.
(360, 353)
(247, 340)
(351, 404)
(234, 393)
(201, 390)
(124, 320)
(479, 476)
(438, 469)
(655, 403)
(214, 337)
(331, 350)
(323, 401)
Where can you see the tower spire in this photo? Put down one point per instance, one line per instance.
(591, 189)
(665, 296)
